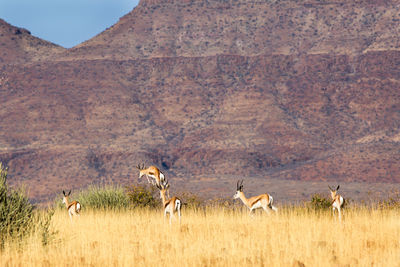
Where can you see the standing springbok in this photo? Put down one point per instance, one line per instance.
(337, 201)
(262, 201)
(170, 205)
(73, 208)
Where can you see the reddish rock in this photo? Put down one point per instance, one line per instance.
(277, 89)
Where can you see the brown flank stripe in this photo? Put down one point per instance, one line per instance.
(166, 203)
(71, 204)
(172, 200)
(257, 199)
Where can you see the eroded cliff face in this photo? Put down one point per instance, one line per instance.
(271, 89)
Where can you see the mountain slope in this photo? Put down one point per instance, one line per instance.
(17, 45)
(248, 28)
(216, 90)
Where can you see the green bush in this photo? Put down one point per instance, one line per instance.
(16, 213)
(115, 197)
(142, 196)
(319, 202)
(102, 197)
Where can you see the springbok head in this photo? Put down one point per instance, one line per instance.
(65, 198)
(334, 191)
(239, 189)
(141, 170)
(163, 187)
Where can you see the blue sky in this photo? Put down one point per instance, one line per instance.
(64, 22)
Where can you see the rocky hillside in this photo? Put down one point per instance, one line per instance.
(303, 90)
(17, 45)
(202, 28)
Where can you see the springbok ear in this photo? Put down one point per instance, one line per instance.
(64, 193)
(167, 186)
(69, 193)
(337, 188)
(330, 188)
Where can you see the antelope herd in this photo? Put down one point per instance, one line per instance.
(173, 205)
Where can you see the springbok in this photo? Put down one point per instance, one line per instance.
(337, 201)
(73, 208)
(170, 205)
(152, 172)
(262, 201)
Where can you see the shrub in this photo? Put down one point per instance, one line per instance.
(319, 202)
(142, 196)
(103, 197)
(16, 213)
(191, 200)
(115, 197)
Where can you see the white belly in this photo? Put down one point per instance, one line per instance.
(257, 205)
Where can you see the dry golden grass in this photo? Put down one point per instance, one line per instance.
(216, 238)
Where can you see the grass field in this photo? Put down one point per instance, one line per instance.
(292, 237)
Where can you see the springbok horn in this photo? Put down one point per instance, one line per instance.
(337, 188)
(330, 188)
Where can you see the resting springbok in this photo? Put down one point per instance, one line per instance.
(262, 201)
(337, 201)
(171, 205)
(73, 208)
